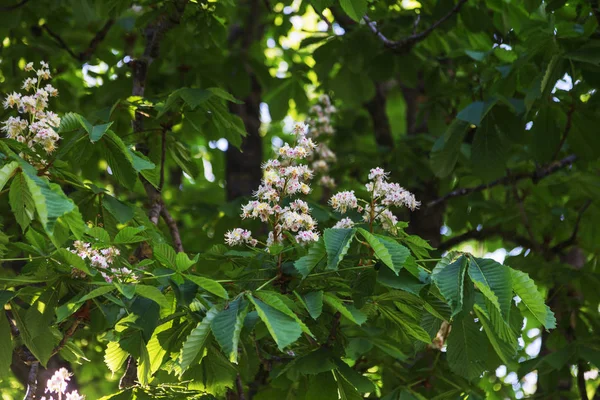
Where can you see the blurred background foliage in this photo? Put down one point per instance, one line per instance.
(487, 110)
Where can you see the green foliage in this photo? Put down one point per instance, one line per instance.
(487, 111)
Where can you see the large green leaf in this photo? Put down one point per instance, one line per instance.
(49, 199)
(119, 159)
(283, 328)
(209, 285)
(153, 293)
(273, 299)
(489, 151)
(114, 356)
(387, 250)
(21, 202)
(532, 299)
(349, 311)
(227, 325)
(505, 348)
(196, 340)
(307, 263)
(337, 244)
(494, 281)
(6, 347)
(450, 279)
(6, 172)
(466, 345)
(446, 149)
(356, 9)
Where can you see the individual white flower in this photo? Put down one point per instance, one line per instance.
(344, 223)
(341, 201)
(74, 395)
(239, 236)
(377, 174)
(28, 67)
(327, 181)
(304, 237)
(13, 99)
(58, 382)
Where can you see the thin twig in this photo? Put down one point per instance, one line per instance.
(172, 224)
(60, 41)
(322, 16)
(407, 43)
(566, 132)
(573, 238)
(87, 53)
(70, 332)
(535, 176)
(524, 217)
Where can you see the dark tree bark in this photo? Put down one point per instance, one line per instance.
(381, 124)
(242, 166)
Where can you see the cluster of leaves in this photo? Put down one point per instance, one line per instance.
(447, 94)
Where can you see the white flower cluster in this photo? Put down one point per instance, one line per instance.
(35, 126)
(58, 384)
(101, 260)
(283, 177)
(384, 194)
(240, 236)
(320, 121)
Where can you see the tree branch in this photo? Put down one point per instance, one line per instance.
(87, 53)
(566, 132)
(334, 328)
(172, 224)
(535, 176)
(573, 238)
(408, 42)
(32, 381)
(15, 6)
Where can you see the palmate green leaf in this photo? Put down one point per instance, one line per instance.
(209, 285)
(446, 149)
(227, 325)
(313, 302)
(183, 262)
(316, 253)
(121, 211)
(272, 299)
(158, 345)
(387, 250)
(6, 347)
(119, 159)
(494, 281)
(350, 312)
(165, 254)
(49, 199)
(356, 9)
(69, 122)
(21, 202)
(450, 279)
(196, 340)
(114, 356)
(129, 235)
(489, 151)
(506, 349)
(283, 328)
(71, 260)
(143, 365)
(6, 172)
(411, 327)
(532, 299)
(214, 375)
(322, 386)
(466, 345)
(337, 244)
(346, 390)
(153, 293)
